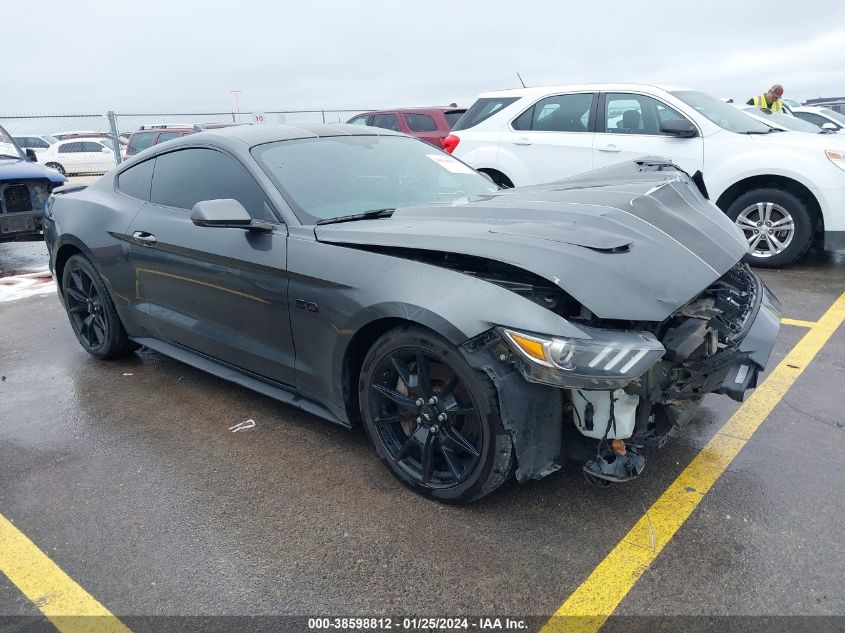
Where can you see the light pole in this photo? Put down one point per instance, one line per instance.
(236, 94)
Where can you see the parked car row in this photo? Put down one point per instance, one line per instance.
(783, 189)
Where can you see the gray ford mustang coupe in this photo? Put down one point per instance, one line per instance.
(365, 276)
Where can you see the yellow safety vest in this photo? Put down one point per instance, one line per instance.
(761, 102)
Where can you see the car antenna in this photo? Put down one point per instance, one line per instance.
(520, 79)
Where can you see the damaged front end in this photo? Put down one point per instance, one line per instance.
(22, 207)
(626, 385)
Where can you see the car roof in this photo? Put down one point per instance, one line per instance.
(77, 139)
(810, 108)
(540, 90)
(258, 134)
(422, 110)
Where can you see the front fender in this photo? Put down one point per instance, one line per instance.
(352, 288)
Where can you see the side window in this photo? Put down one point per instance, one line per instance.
(136, 180)
(561, 113)
(420, 123)
(360, 120)
(141, 141)
(90, 146)
(183, 178)
(386, 121)
(812, 117)
(453, 117)
(636, 114)
(481, 110)
(166, 136)
(70, 148)
(31, 141)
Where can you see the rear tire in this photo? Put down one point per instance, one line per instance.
(438, 428)
(786, 237)
(91, 312)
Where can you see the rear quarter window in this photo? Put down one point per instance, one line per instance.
(453, 117)
(483, 109)
(420, 123)
(141, 141)
(136, 180)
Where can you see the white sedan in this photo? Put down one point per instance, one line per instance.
(79, 156)
(823, 117)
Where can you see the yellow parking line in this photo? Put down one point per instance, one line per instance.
(589, 606)
(67, 605)
(798, 322)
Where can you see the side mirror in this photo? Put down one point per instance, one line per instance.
(825, 126)
(679, 127)
(226, 213)
(106, 150)
(30, 155)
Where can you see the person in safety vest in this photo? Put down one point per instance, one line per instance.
(770, 100)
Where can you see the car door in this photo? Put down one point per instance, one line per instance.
(71, 156)
(551, 140)
(219, 291)
(98, 156)
(629, 127)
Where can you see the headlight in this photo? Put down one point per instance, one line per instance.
(837, 157)
(608, 359)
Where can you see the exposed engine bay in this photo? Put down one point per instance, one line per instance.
(700, 352)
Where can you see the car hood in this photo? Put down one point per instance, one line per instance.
(18, 169)
(634, 241)
(791, 138)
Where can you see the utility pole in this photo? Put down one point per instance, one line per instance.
(236, 94)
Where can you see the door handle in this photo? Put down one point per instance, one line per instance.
(609, 148)
(142, 237)
(522, 141)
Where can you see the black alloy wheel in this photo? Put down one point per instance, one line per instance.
(432, 418)
(91, 312)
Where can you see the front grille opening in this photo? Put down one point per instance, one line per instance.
(16, 198)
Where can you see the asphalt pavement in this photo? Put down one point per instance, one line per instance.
(127, 475)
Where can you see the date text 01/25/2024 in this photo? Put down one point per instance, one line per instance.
(416, 624)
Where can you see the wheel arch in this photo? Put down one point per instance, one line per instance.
(350, 357)
(729, 195)
(69, 248)
(498, 177)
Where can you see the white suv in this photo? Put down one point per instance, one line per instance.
(781, 188)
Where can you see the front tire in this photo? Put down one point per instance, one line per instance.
(777, 225)
(91, 312)
(434, 421)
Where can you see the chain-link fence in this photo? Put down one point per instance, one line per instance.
(82, 145)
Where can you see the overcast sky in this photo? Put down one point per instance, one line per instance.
(171, 56)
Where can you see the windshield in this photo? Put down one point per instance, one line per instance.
(8, 147)
(722, 114)
(784, 120)
(336, 176)
(833, 114)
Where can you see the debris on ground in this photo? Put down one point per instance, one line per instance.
(242, 426)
